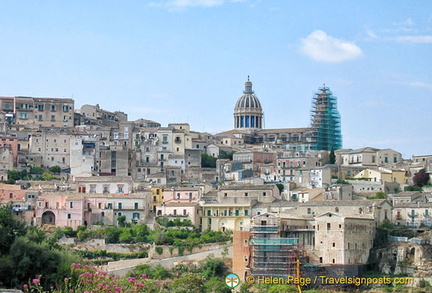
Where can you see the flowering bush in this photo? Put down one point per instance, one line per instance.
(87, 279)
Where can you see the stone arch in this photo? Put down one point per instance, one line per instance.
(412, 252)
(48, 217)
(239, 224)
(222, 226)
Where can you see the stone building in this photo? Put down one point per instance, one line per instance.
(53, 147)
(33, 112)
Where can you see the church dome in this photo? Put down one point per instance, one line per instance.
(248, 100)
(248, 112)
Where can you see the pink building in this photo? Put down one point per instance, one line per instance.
(13, 143)
(180, 202)
(11, 192)
(60, 209)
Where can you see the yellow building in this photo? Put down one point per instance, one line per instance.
(157, 197)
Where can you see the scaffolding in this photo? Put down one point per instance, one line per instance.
(325, 121)
(271, 254)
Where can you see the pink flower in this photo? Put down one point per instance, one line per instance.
(25, 286)
(144, 276)
(131, 279)
(66, 279)
(35, 281)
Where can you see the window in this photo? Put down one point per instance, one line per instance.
(136, 205)
(106, 188)
(190, 195)
(71, 205)
(120, 188)
(65, 108)
(69, 216)
(136, 216)
(328, 226)
(53, 107)
(309, 211)
(52, 117)
(264, 194)
(178, 195)
(246, 212)
(92, 188)
(120, 205)
(23, 115)
(246, 194)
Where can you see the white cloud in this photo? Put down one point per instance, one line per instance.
(190, 3)
(322, 47)
(426, 39)
(371, 34)
(421, 84)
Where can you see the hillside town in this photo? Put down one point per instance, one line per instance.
(286, 194)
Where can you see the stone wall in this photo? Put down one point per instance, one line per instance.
(366, 187)
(167, 251)
(99, 244)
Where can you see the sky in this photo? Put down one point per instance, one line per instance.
(176, 61)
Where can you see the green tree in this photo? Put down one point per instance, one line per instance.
(281, 187)
(216, 286)
(13, 174)
(208, 161)
(381, 195)
(112, 235)
(125, 236)
(29, 258)
(213, 268)
(160, 273)
(226, 155)
(188, 284)
(9, 229)
(36, 170)
(121, 221)
(341, 181)
(47, 176)
(54, 169)
(332, 157)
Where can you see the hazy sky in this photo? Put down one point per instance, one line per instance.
(187, 61)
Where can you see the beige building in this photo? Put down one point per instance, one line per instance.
(368, 157)
(413, 214)
(46, 112)
(230, 207)
(104, 184)
(52, 146)
(378, 209)
(343, 240)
